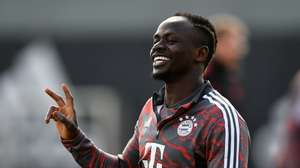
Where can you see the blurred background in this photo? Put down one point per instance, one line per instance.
(101, 49)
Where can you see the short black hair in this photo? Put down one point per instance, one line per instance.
(207, 32)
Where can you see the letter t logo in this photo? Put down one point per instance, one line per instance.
(153, 147)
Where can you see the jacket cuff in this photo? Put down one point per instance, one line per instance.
(68, 143)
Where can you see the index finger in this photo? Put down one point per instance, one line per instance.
(59, 100)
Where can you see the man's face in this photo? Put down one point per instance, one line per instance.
(173, 49)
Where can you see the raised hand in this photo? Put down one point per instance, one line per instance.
(64, 114)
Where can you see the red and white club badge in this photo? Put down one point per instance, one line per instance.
(186, 126)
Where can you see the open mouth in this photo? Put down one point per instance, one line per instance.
(160, 60)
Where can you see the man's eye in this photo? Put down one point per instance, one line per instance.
(172, 41)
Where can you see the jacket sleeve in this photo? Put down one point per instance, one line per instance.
(227, 143)
(88, 155)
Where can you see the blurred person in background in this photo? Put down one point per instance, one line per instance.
(186, 124)
(224, 70)
(277, 144)
(288, 155)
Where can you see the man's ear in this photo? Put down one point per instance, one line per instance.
(201, 54)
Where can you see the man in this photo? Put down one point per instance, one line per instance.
(224, 70)
(186, 124)
(287, 155)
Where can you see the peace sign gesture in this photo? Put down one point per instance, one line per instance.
(64, 114)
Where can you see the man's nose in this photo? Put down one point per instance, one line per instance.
(159, 46)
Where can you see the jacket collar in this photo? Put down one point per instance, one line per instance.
(158, 97)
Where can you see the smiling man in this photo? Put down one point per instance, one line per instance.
(186, 124)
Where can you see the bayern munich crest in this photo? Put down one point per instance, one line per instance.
(186, 126)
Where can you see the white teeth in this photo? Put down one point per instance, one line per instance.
(159, 62)
(161, 58)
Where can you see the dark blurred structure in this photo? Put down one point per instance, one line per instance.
(224, 71)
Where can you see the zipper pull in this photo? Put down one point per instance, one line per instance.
(157, 133)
